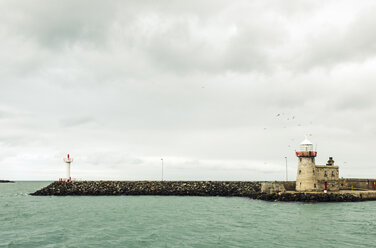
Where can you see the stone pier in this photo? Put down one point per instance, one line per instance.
(269, 191)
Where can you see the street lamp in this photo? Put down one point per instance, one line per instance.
(162, 168)
(286, 170)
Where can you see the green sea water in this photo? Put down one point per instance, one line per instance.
(169, 221)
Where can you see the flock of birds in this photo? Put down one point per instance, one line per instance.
(290, 118)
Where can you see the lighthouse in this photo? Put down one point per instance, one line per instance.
(306, 176)
(68, 160)
(312, 177)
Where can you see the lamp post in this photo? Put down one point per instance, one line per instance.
(162, 169)
(286, 170)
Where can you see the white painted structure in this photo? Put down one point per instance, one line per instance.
(306, 146)
(68, 160)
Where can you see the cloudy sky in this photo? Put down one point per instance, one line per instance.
(221, 90)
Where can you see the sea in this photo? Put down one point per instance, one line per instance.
(177, 221)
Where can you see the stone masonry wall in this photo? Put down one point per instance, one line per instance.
(356, 183)
(305, 179)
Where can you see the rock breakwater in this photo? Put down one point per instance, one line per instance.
(310, 197)
(196, 188)
(6, 181)
(181, 188)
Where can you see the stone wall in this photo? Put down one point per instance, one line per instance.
(277, 186)
(356, 183)
(289, 185)
(272, 187)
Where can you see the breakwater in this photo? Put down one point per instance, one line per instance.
(311, 197)
(268, 191)
(6, 181)
(182, 188)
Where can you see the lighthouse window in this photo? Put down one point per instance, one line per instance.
(313, 172)
(314, 185)
(325, 174)
(312, 160)
(300, 159)
(300, 172)
(332, 173)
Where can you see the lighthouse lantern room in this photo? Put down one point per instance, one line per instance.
(306, 149)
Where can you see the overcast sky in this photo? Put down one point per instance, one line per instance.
(221, 90)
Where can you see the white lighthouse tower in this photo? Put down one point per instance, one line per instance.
(68, 160)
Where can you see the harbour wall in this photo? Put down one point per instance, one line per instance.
(269, 191)
(356, 183)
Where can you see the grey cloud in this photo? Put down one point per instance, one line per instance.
(158, 37)
(73, 122)
(351, 45)
(5, 115)
(355, 102)
(185, 51)
(56, 23)
(121, 84)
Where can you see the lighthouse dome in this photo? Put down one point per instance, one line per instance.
(306, 145)
(306, 142)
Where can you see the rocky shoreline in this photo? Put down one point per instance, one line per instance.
(6, 181)
(192, 188)
(310, 197)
